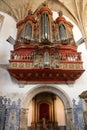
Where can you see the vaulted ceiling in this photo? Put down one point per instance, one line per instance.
(76, 10)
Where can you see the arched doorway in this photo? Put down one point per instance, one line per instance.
(69, 121)
(46, 110)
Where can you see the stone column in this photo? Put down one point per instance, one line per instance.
(24, 119)
(55, 125)
(85, 119)
(70, 125)
(33, 124)
(84, 103)
(53, 109)
(35, 110)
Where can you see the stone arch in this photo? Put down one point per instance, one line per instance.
(45, 88)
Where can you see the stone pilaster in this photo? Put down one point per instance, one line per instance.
(69, 119)
(85, 118)
(24, 119)
(33, 124)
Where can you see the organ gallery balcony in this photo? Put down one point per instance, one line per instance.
(49, 64)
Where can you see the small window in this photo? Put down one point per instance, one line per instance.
(62, 32)
(46, 58)
(28, 31)
(19, 36)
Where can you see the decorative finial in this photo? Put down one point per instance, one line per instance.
(60, 13)
(29, 12)
(45, 3)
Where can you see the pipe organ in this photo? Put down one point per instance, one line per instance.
(45, 49)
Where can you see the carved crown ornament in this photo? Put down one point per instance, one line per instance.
(45, 50)
(83, 95)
